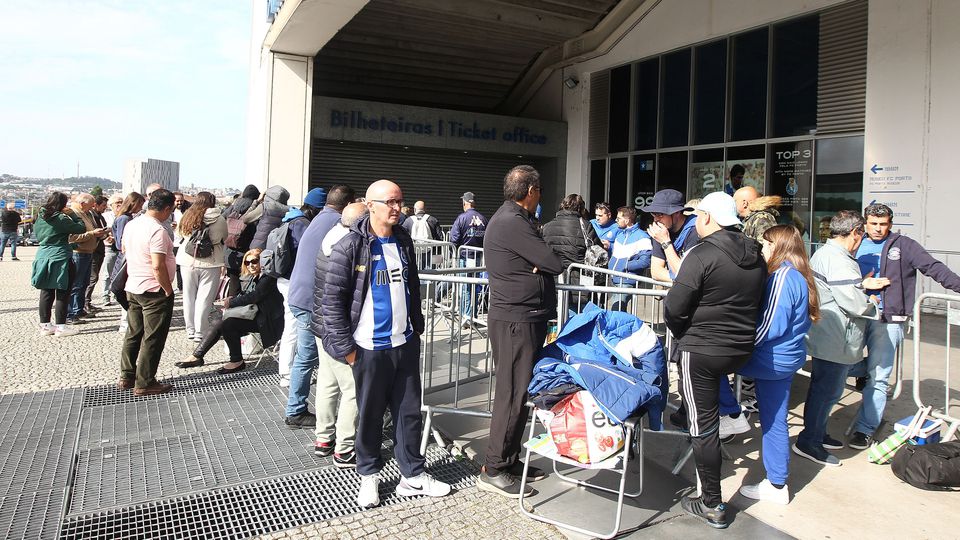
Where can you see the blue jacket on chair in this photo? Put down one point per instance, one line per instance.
(613, 355)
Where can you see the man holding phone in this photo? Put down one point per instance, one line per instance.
(87, 243)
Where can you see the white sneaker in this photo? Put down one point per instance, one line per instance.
(369, 494)
(733, 426)
(284, 381)
(47, 329)
(764, 491)
(65, 331)
(422, 485)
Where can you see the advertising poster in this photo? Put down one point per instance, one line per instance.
(705, 177)
(754, 172)
(791, 174)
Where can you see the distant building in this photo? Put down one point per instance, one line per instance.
(140, 173)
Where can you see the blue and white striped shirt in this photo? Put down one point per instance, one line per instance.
(385, 317)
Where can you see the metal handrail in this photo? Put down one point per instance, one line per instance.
(945, 416)
(617, 273)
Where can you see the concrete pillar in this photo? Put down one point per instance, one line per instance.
(287, 131)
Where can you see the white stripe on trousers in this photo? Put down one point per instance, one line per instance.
(688, 395)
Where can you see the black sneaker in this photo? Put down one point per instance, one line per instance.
(533, 473)
(859, 441)
(715, 517)
(72, 320)
(302, 420)
(346, 460)
(503, 483)
(322, 449)
(832, 444)
(860, 384)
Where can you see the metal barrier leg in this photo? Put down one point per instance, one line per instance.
(427, 428)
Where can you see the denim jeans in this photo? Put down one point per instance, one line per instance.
(882, 340)
(304, 362)
(80, 284)
(469, 293)
(109, 261)
(12, 238)
(826, 386)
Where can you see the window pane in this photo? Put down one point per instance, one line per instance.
(709, 92)
(839, 182)
(706, 172)
(748, 101)
(644, 184)
(673, 171)
(618, 183)
(795, 61)
(790, 173)
(598, 181)
(676, 100)
(749, 165)
(619, 127)
(645, 104)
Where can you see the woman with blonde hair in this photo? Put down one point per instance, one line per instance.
(790, 305)
(200, 258)
(258, 290)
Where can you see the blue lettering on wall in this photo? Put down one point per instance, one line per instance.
(444, 128)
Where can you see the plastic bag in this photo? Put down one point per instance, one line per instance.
(582, 431)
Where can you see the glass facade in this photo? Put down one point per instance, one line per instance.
(747, 104)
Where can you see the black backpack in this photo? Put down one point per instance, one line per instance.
(934, 467)
(277, 257)
(199, 245)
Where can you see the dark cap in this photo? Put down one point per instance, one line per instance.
(467, 197)
(666, 201)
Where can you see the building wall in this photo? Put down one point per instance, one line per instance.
(140, 173)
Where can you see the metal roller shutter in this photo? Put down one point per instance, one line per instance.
(599, 112)
(842, 78)
(439, 178)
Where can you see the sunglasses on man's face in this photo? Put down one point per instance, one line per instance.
(251, 261)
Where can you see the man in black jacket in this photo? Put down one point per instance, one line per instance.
(522, 268)
(372, 319)
(712, 310)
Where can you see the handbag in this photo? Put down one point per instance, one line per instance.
(882, 452)
(595, 255)
(248, 312)
(118, 281)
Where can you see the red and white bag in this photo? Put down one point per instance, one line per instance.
(581, 430)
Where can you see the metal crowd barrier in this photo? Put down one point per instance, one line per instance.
(434, 254)
(647, 308)
(942, 410)
(457, 368)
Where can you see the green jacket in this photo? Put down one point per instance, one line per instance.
(51, 268)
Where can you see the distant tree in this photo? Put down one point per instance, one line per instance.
(97, 191)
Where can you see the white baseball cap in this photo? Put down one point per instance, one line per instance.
(721, 208)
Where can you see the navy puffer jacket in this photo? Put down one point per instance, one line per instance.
(346, 284)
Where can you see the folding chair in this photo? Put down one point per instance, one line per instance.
(619, 463)
(260, 352)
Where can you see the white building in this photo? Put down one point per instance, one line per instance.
(140, 173)
(830, 103)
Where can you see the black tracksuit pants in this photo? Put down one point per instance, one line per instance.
(389, 378)
(700, 378)
(515, 346)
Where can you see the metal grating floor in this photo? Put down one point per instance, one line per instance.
(31, 515)
(263, 375)
(259, 508)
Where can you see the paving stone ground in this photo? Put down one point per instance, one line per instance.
(30, 362)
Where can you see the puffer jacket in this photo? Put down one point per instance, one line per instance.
(844, 308)
(263, 292)
(217, 230)
(567, 235)
(613, 355)
(320, 277)
(763, 215)
(630, 252)
(270, 213)
(347, 281)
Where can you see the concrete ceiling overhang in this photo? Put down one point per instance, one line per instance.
(459, 54)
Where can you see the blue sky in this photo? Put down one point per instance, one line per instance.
(100, 81)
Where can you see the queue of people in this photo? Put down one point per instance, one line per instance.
(744, 299)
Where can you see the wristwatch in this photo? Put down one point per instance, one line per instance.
(665, 245)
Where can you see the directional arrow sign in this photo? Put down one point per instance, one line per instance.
(875, 168)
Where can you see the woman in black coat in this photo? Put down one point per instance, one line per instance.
(256, 289)
(237, 212)
(570, 234)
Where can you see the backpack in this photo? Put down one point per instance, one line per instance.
(934, 467)
(421, 228)
(199, 245)
(235, 227)
(276, 259)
